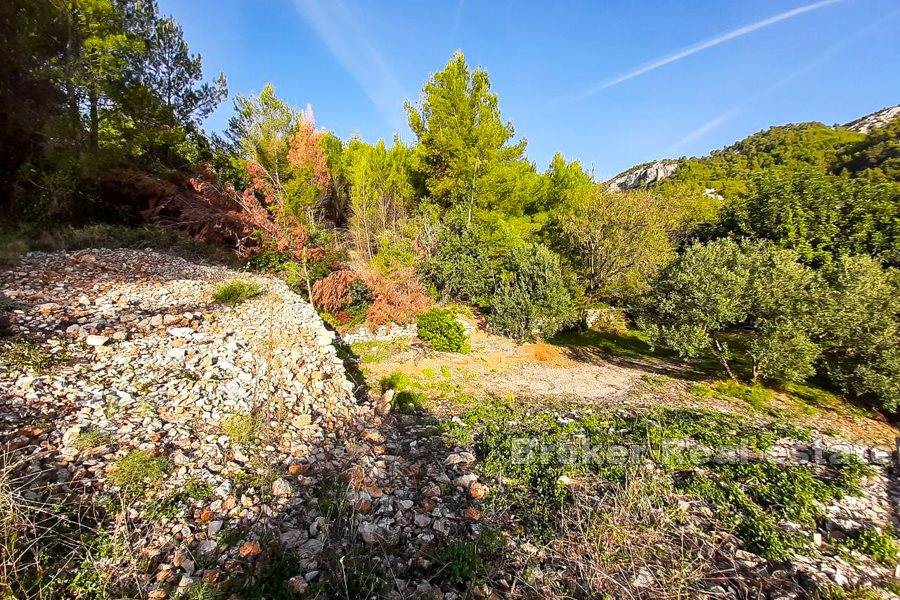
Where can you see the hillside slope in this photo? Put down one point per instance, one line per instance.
(867, 147)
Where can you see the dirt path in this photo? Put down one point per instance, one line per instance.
(497, 366)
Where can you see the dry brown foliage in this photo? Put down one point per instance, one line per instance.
(306, 151)
(627, 541)
(332, 292)
(395, 300)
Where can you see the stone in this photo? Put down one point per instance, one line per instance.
(96, 340)
(281, 488)
(249, 549)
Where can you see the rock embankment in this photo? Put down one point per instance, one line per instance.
(217, 446)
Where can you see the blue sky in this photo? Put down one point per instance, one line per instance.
(611, 83)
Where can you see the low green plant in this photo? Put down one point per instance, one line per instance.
(242, 429)
(457, 563)
(138, 470)
(355, 575)
(6, 304)
(880, 546)
(235, 292)
(441, 331)
(91, 438)
(406, 400)
(172, 504)
(201, 591)
(25, 356)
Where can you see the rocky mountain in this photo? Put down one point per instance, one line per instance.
(726, 171)
(643, 176)
(875, 120)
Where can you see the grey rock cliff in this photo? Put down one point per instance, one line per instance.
(640, 177)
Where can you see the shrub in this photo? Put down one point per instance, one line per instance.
(881, 546)
(242, 429)
(138, 470)
(440, 330)
(235, 292)
(532, 299)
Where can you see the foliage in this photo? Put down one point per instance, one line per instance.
(441, 331)
(105, 83)
(467, 258)
(724, 285)
(531, 299)
(464, 151)
(457, 563)
(91, 438)
(858, 318)
(616, 241)
(137, 470)
(820, 216)
(876, 157)
(881, 546)
(22, 356)
(801, 146)
(843, 318)
(235, 292)
(337, 291)
(379, 189)
(541, 453)
(242, 429)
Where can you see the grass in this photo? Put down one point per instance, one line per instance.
(626, 541)
(630, 344)
(373, 352)
(235, 292)
(91, 438)
(19, 355)
(242, 429)
(540, 451)
(757, 396)
(138, 470)
(171, 505)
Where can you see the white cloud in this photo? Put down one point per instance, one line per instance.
(347, 41)
(809, 66)
(720, 39)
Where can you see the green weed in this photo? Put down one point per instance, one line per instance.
(91, 438)
(880, 546)
(242, 429)
(23, 356)
(138, 470)
(235, 292)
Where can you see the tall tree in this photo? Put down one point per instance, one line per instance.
(175, 76)
(465, 149)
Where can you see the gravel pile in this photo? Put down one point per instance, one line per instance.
(256, 441)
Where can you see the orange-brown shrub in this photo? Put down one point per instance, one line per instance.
(332, 292)
(395, 300)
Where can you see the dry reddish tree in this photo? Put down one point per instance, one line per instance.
(333, 292)
(395, 300)
(306, 152)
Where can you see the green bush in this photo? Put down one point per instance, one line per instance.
(532, 299)
(881, 546)
(440, 330)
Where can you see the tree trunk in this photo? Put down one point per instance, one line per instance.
(721, 355)
(95, 121)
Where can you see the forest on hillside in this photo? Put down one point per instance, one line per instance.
(788, 274)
